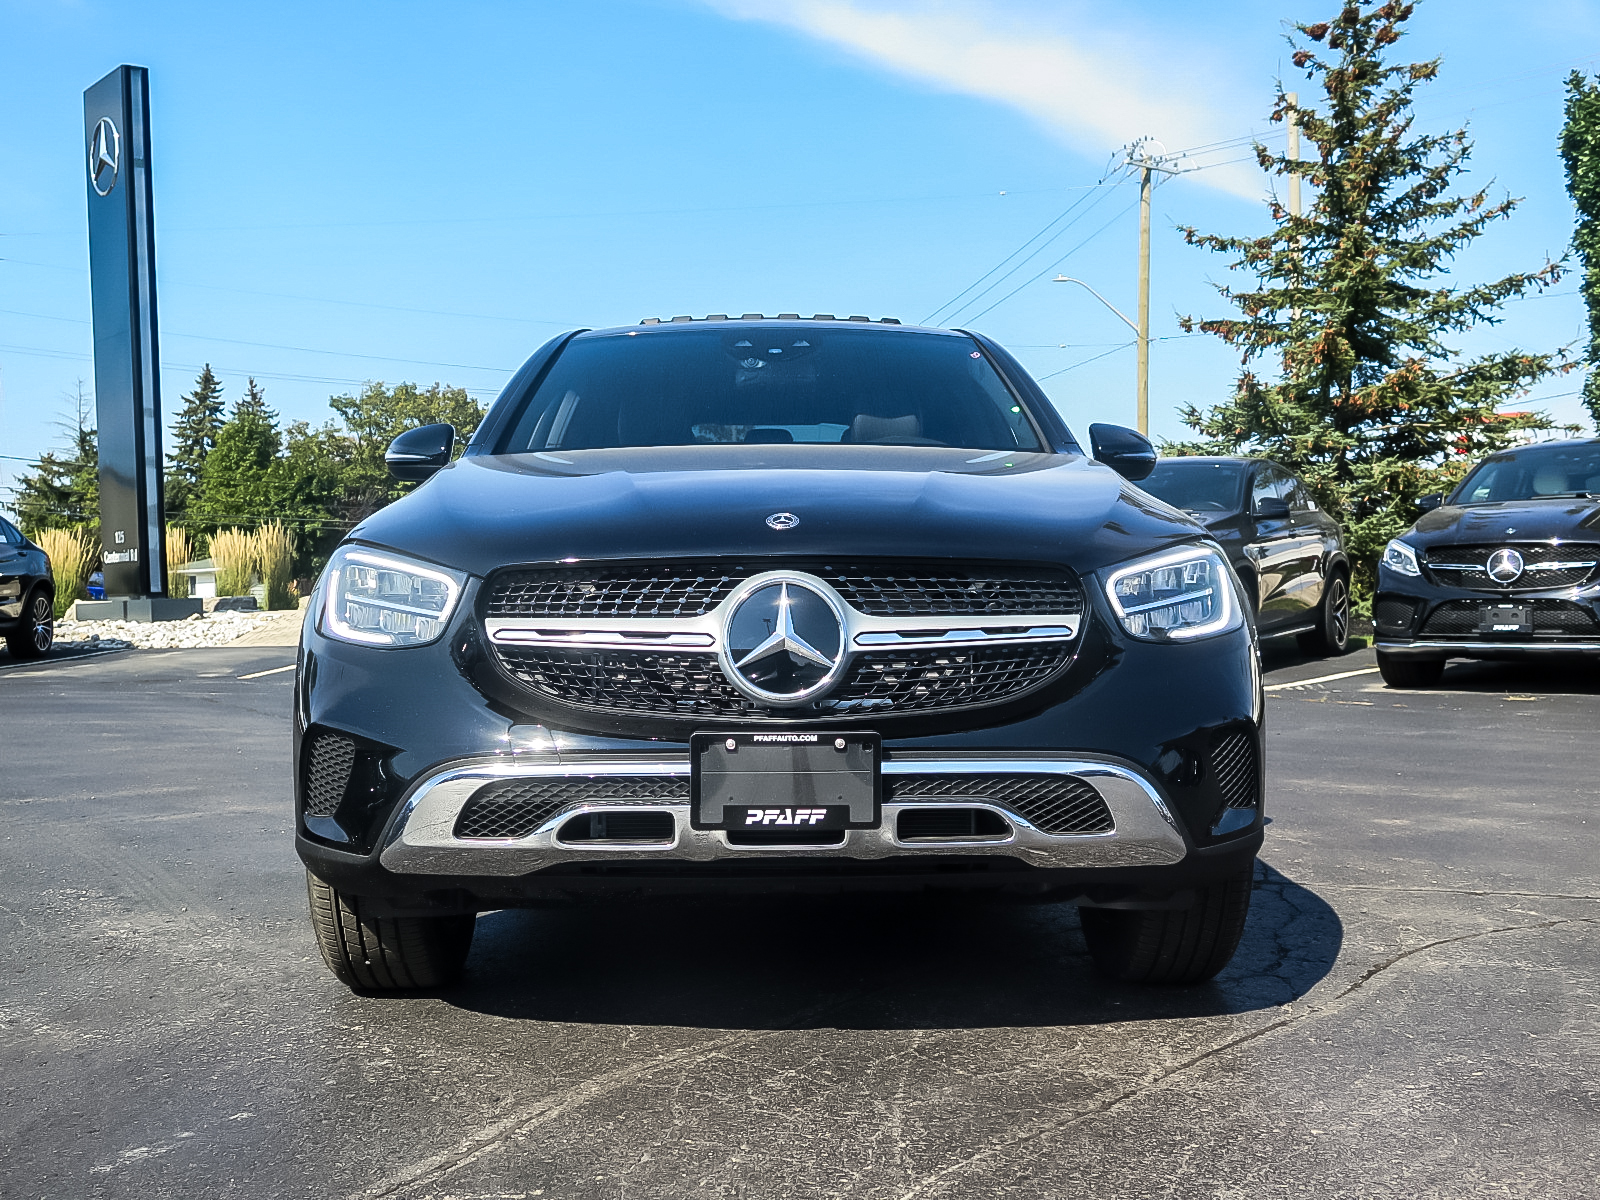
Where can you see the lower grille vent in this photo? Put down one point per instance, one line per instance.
(1457, 618)
(328, 765)
(1233, 759)
(635, 828)
(1058, 804)
(1393, 616)
(950, 821)
(514, 808)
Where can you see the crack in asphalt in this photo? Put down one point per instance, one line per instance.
(1108, 1103)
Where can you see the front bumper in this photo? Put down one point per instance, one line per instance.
(1415, 618)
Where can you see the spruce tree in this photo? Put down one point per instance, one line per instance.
(235, 481)
(1352, 305)
(1580, 151)
(194, 435)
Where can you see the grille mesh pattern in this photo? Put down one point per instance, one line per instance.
(1059, 804)
(1233, 760)
(691, 685)
(517, 807)
(1393, 616)
(328, 765)
(1533, 554)
(1456, 618)
(692, 590)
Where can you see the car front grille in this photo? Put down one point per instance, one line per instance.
(514, 808)
(1234, 765)
(1552, 619)
(881, 589)
(1058, 804)
(1544, 565)
(691, 685)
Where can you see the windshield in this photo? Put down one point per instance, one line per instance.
(774, 385)
(1197, 486)
(1533, 474)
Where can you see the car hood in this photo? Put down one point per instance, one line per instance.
(487, 511)
(1567, 519)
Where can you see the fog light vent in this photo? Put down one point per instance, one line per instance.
(329, 762)
(1233, 759)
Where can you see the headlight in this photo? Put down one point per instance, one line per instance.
(1176, 596)
(379, 599)
(1399, 557)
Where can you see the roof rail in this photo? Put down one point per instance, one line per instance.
(761, 317)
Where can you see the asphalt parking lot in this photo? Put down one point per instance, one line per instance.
(1415, 1010)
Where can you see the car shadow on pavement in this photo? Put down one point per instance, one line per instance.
(1565, 677)
(863, 962)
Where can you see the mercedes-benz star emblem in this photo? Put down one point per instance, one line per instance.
(1505, 566)
(783, 520)
(784, 639)
(105, 153)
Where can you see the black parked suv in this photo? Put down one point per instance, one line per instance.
(27, 595)
(1289, 553)
(776, 605)
(1508, 567)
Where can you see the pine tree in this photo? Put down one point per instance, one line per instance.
(1371, 404)
(235, 481)
(194, 435)
(1580, 151)
(64, 490)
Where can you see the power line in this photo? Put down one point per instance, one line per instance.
(1084, 363)
(1052, 266)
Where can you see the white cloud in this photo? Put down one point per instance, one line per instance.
(1092, 91)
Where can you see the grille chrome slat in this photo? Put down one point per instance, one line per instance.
(647, 639)
(1546, 565)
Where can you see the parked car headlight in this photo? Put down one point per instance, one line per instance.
(1399, 557)
(380, 599)
(1176, 596)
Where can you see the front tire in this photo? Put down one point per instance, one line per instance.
(1177, 946)
(386, 954)
(38, 631)
(1400, 672)
(1331, 637)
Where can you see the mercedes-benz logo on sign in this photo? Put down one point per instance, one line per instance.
(783, 640)
(105, 154)
(784, 520)
(1505, 566)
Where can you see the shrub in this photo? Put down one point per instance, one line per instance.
(180, 550)
(71, 556)
(274, 547)
(234, 552)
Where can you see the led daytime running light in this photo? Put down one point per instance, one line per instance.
(376, 599)
(1177, 596)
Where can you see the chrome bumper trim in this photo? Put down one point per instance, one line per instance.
(1427, 649)
(420, 838)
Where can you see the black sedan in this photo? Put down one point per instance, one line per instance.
(27, 595)
(1288, 552)
(1508, 567)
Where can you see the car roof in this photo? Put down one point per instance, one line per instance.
(655, 325)
(1557, 444)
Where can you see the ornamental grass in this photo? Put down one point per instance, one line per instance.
(274, 546)
(234, 552)
(180, 550)
(72, 555)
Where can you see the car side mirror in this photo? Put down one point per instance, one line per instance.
(1430, 502)
(1271, 508)
(418, 453)
(1127, 453)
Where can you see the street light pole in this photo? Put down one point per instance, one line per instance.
(1143, 384)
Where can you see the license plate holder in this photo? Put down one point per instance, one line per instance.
(744, 780)
(1506, 620)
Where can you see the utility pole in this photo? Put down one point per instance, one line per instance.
(1145, 155)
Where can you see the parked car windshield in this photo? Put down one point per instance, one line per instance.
(1532, 474)
(774, 385)
(1197, 485)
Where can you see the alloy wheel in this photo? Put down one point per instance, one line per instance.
(1339, 611)
(44, 623)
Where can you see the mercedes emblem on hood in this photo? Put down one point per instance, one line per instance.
(783, 520)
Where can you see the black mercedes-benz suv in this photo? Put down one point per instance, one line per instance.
(781, 605)
(1507, 567)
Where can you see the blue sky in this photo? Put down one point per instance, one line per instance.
(427, 192)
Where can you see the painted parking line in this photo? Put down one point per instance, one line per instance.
(274, 671)
(1273, 687)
